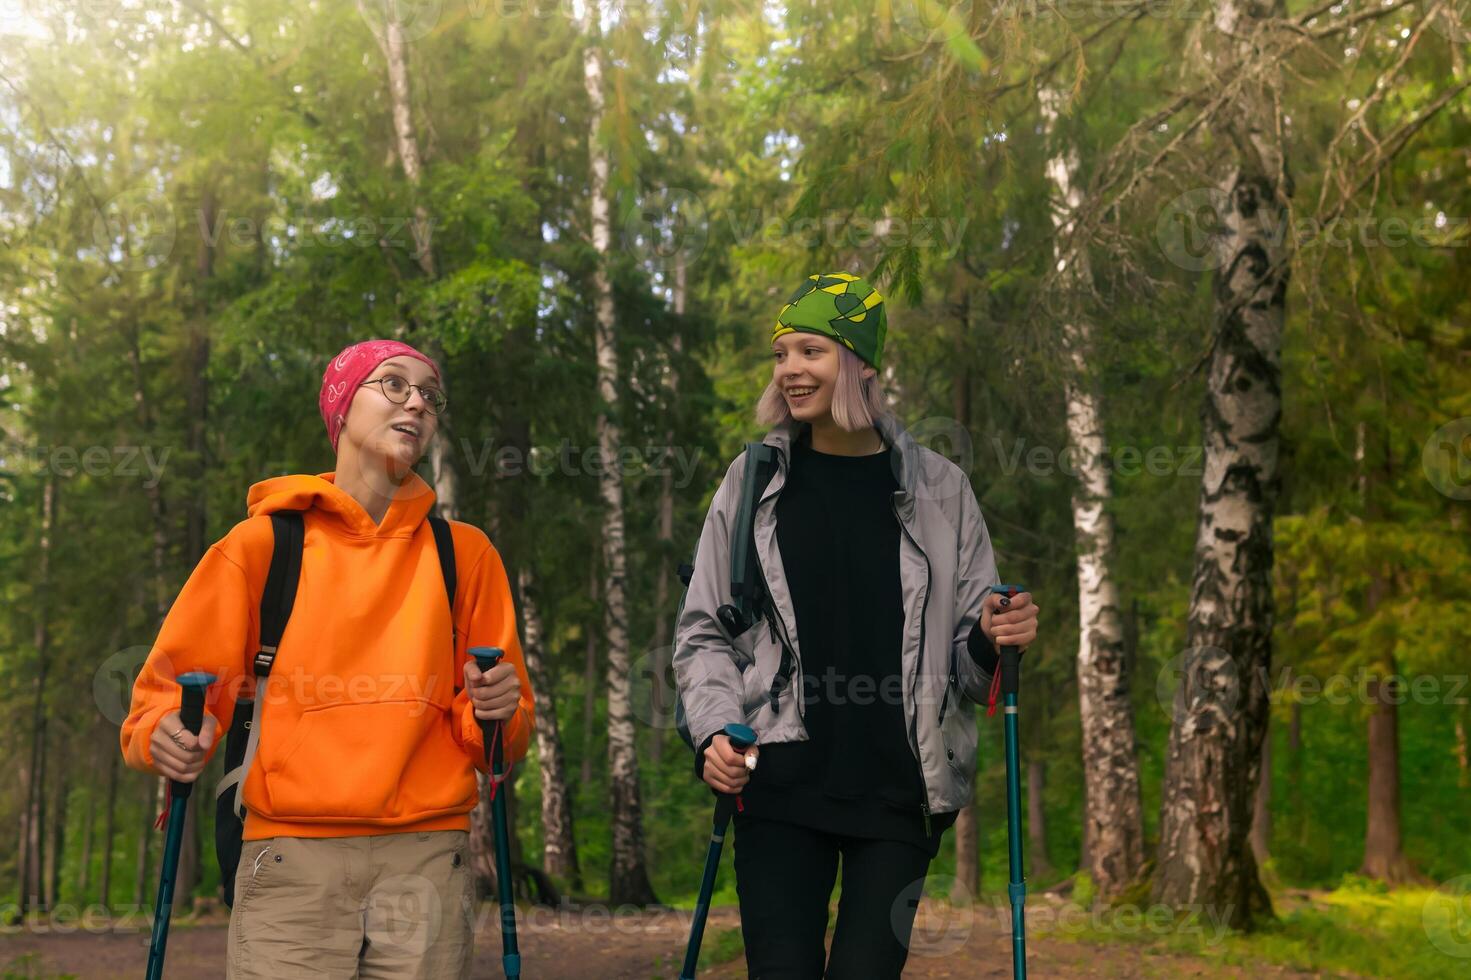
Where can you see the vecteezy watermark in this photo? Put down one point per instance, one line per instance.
(1367, 688)
(1203, 683)
(1216, 681)
(939, 928)
(1446, 918)
(653, 689)
(1193, 230)
(302, 230)
(112, 682)
(1210, 922)
(112, 685)
(666, 225)
(393, 21)
(938, 478)
(1043, 460)
(566, 459)
(1446, 459)
(135, 230)
(930, 928)
(100, 461)
(68, 918)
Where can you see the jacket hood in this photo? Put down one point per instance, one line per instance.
(341, 512)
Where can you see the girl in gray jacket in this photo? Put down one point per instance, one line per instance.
(877, 621)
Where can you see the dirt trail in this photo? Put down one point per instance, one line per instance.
(590, 944)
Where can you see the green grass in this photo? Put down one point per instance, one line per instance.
(1360, 928)
(26, 967)
(721, 947)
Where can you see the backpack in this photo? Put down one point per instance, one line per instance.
(276, 601)
(749, 596)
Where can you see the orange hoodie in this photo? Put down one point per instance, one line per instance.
(366, 728)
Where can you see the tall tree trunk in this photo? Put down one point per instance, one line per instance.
(1294, 768)
(1463, 751)
(395, 53)
(1110, 758)
(394, 46)
(663, 713)
(559, 843)
(589, 702)
(89, 821)
(1261, 819)
(153, 791)
(1384, 856)
(482, 838)
(1221, 706)
(109, 829)
(56, 845)
(1040, 860)
(628, 879)
(33, 822)
(967, 885)
(196, 373)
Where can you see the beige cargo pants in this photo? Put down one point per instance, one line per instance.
(395, 906)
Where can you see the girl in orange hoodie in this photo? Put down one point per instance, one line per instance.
(356, 842)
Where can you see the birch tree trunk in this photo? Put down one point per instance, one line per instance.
(628, 873)
(1221, 706)
(1114, 814)
(663, 653)
(559, 844)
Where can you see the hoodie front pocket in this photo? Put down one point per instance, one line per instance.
(385, 761)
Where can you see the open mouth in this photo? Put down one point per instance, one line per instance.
(407, 428)
(800, 393)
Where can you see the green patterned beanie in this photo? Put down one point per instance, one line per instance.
(841, 306)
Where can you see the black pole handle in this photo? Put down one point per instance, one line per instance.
(485, 659)
(1011, 657)
(191, 712)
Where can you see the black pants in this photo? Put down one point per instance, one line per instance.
(785, 875)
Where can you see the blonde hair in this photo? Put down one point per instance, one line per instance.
(857, 401)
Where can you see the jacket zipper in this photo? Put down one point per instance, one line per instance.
(786, 640)
(918, 664)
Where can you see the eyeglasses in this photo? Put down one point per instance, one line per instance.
(397, 390)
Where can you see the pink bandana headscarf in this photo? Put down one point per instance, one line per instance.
(350, 369)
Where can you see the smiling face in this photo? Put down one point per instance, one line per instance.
(378, 427)
(805, 370)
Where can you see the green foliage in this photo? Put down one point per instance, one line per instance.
(194, 222)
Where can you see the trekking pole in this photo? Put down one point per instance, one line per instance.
(1017, 888)
(191, 713)
(486, 658)
(741, 738)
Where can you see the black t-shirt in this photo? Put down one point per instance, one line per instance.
(856, 774)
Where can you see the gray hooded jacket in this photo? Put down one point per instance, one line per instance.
(946, 567)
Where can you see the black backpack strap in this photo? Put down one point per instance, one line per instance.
(746, 587)
(276, 600)
(444, 541)
(279, 595)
